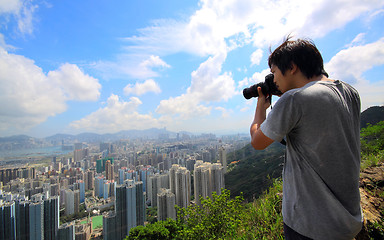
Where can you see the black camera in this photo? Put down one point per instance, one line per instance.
(268, 88)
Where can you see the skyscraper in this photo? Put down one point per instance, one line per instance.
(180, 184)
(109, 170)
(121, 211)
(129, 207)
(109, 226)
(208, 178)
(7, 221)
(166, 205)
(88, 180)
(36, 220)
(156, 182)
(66, 231)
(140, 204)
(51, 218)
(22, 220)
(76, 201)
(69, 202)
(223, 158)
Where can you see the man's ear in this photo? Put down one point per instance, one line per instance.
(293, 69)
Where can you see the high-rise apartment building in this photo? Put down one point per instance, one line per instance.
(36, 220)
(140, 203)
(7, 221)
(80, 154)
(51, 218)
(22, 220)
(223, 158)
(99, 186)
(76, 201)
(129, 207)
(88, 180)
(121, 211)
(69, 202)
(180, 185)
(66, 231)
(156, 182)
(166, 205)
(208, 178)
(109, 170)
(110, 228)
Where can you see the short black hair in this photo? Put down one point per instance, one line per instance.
(301, 52)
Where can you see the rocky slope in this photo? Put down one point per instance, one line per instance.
(372, 202)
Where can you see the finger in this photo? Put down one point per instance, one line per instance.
(260, 92)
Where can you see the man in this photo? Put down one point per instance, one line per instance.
(320, 119)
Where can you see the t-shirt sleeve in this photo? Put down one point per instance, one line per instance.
(282, 119)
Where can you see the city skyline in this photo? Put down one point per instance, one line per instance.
(72, 67)
(117, 181)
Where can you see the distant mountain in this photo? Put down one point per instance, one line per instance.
(372, 116)
(20, 142)
(152, 133)
(24, 141)
(253, 170)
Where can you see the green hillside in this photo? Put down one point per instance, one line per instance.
(251, 172)
(372, 116)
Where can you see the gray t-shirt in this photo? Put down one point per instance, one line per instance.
(321, 122)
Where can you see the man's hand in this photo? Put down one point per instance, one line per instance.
(263, 102)
(258, 140)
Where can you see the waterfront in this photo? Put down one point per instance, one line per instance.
(26, 155)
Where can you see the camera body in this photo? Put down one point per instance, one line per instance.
(268, 88)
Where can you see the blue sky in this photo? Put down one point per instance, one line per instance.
(102, 66)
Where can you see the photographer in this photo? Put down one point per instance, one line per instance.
(320, 119)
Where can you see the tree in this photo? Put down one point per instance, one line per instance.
(159, 230)
(218, 217)
(372, 138)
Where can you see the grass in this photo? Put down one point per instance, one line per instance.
(263, 218)
(97, 222)
(371, 160)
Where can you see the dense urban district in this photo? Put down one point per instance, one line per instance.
(110, 186)
(101, 190)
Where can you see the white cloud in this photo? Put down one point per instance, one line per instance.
(138, 65)
(141, 88)
(10, 6)
(4, 45)
(256, 57)
(224, 112)
(29, 97)
(359, 39)
(116, 116)
(186, 106)
(22, 11)
(350, 64)
(76, 84)
(207, 84)
(154, 61)
(328, 15)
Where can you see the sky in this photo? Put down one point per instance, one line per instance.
(103, 66)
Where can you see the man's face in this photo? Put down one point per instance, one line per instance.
(280, 79)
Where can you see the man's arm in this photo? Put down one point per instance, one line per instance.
(258, 140)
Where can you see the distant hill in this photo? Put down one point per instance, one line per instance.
(252, 170)
(152, 133)
(372, 116)
(24, 141)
